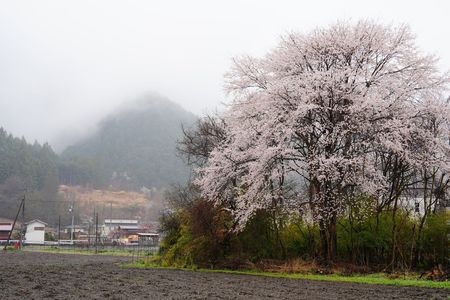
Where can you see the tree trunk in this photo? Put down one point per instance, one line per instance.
(394, 235)
(328, 240)
(277, 235)
(332, 235)
(323, 241)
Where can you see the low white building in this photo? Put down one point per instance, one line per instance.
(120, 224)
(35, 233)
(148, 239)
(76, 229)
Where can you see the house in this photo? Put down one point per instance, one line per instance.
(76, 229)
(120, 225)
(6, 226)
(413, 200)
(35, 233)
(5, 229)
(148, 239)
(133, 239)
(149, 227)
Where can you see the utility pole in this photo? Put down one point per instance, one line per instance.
(59, 230)
(93, 221)
(23, 222)
(96, 232)
(71, 210)
(89, 235)
(14, 224)
(110, 216)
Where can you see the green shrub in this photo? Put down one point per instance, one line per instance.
(196, 235)
(301, 239)
(201, 235)
(434, 243)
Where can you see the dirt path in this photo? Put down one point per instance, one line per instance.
(31, 275)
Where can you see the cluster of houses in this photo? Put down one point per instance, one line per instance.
(34, 234)
(112, 231)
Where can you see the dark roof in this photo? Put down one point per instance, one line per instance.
(35, 220)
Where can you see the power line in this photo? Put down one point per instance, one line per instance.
(65, 201)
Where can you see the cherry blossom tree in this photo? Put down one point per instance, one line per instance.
(335, 112)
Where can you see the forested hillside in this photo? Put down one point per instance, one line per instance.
(132, 148)
(27, 166)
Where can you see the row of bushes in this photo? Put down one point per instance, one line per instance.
(203, 235)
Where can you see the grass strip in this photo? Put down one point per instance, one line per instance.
(82, 252)
(380, 279)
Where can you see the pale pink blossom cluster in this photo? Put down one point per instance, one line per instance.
(321, 113)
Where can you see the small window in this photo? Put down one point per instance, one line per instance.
(39, 228)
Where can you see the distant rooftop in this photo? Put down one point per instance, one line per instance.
(121, 221)
(36, 221)
(6, 220)
(5, 227)
(74, 226)
(132, 227)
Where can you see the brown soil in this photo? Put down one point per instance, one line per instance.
(32, 275)
(118, 199)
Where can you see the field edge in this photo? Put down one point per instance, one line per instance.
(374, 279)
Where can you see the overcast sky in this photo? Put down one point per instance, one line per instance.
(65, 64)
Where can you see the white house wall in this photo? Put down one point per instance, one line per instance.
(35, 236)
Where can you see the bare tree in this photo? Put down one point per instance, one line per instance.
(198, 142)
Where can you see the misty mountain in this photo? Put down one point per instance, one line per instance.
(133, 147)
